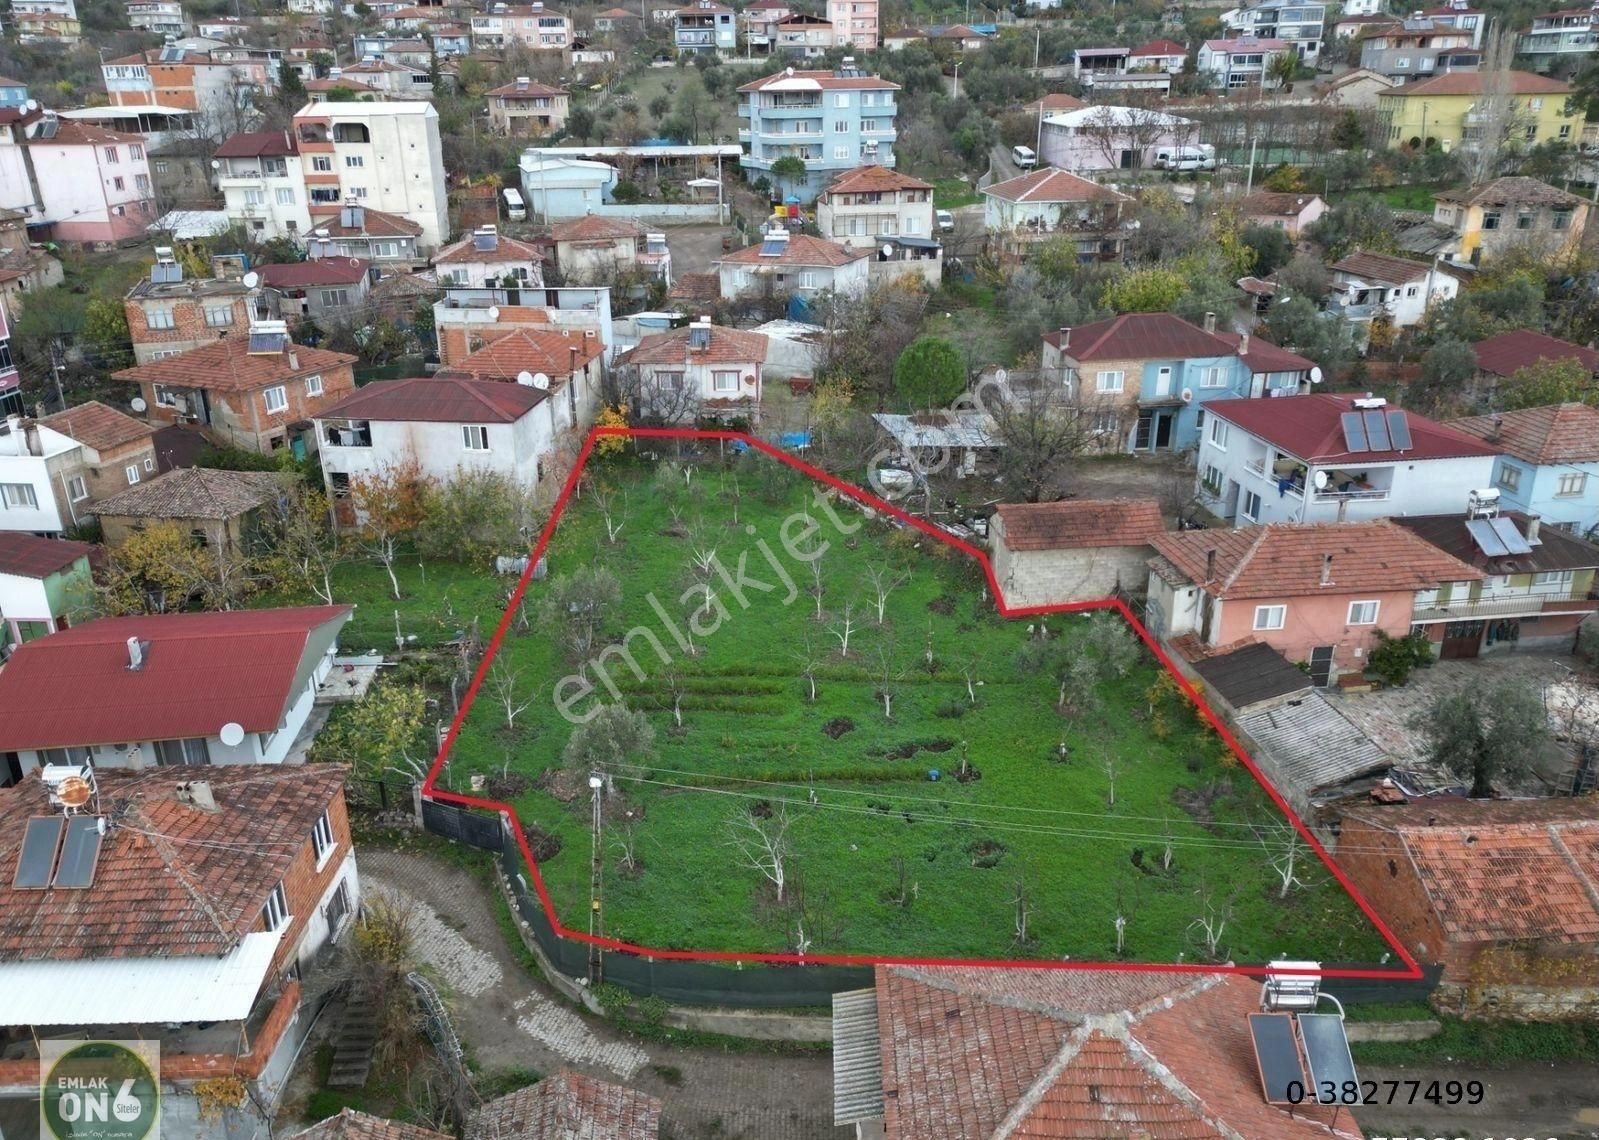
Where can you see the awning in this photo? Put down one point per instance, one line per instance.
(137, 991)
(912, 242)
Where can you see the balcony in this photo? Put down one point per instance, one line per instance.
(1428, 609)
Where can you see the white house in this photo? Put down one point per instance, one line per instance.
(41, 581)
(1107, 137)
(263, 187)
(445, 424)
(37, 469)
(789, 264)
(1041, 205)
(1331, 458)
(234, 687)
(1075, 550)
(487, 258)
(597, 250)
(1368, 284)
(700, 369)
(1298, 23)
(1240, 63)
(868, 203)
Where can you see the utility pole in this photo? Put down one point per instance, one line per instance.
(58, 365)
(596, 880)
(957, 94)
(1249, 184)
(1038, 42)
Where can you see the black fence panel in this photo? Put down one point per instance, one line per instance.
(476, 829)
(1381, 991)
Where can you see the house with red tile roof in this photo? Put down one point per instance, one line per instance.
(91, 184)
(1326, 458)
(1548, 464)
(257, 390)
(1041, 205)
(1290, 213)
(599, 250)
(784, 264)
(1501, 357)
(1371, 285)
(169, 688)
(445, 424)
(1321, 593)
(1158, 55)
(487, 258)
(891, 214)
(118, 450)
(1074, 550)
(701, 369)
(190, 920)
(963, 1053)
(355, 231)
(324, 288)
(220, 509)
(527, 109)
(569, 1103)
(43, 582)
(1503, 894)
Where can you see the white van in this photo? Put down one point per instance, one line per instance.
(1023, 157)
(1201, 157)
(515, 209)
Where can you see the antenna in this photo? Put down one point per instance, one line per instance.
(232, 734)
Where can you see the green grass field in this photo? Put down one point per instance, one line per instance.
(885, 861)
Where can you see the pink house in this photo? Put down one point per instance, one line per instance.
(1315, 592)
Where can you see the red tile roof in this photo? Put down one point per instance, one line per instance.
(257, 144)
(1382, 267)
(449, 400)
(1051, 1056)
(72, 132)
(1287, 560)
(1470, 83)
(1310, 428)
(505, 249)
(200, 672)
(794, 80)
(570, 1104)
(800, 249)
(1555, 433)
(1076, 523)
(594, 227)
(227, 365)
(1053, 186)
(1497, 870)
(376, 223)
(317, 271)
(695, 287)
(1061, 102)
(726, 346)
(1141, 336)
(98, 425)
(528, 90)
(526, 350)
(194, 493)
(1504, 354)
(1158, 47)
(1275, 204)
(352, 1125)
(28, 556)
(866, 179)
(172, 880)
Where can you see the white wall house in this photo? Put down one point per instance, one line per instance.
(153, 689)
(42, 582)
(486, 258)
(794, 264)
(37, 471)
(700, 369)
(262, 185)
(1367, 285)
(1332, 458)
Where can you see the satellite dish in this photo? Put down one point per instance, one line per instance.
(888, 250)
(1000, 376)
(138, 404)
(525, 378)
(1188, 395)
(232, 734)
(216, 164)
(33, 105)
(252, 279)
(1320, 480)
(541, 382)
(1315, 374)
(493, 313)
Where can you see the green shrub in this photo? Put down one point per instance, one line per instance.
(613, 998)
(1394, 657)
(652, 1009)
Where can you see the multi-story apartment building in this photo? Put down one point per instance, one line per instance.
(169, 313)
(1237, 64)
(1417, 49)
(1444, 110)
(263, 187)
(1298, 23)
(855, 23)
(1459, 14)
(534, 26)
(46, 21)
(88, 184)
(161, 17)
(803, 36)
(523, 107)
(10, 381)
(219, 87)
(704, 26)
(869, 203)
(760, 24)
(1568, 32)
(386, 156)
(832, 121)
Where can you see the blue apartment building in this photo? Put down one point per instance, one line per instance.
(704, 26)
(832, 121)
(1548, 464)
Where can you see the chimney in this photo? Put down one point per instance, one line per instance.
(1326, 569)
(30, 439)
(1243, 344)
(197, 793)
(572, 348)
(1065, 337)
(1210, 322)
(135, 654)
(1534, 525)
(1210, 565)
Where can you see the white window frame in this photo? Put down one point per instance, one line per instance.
(1217, 436)
(149, 463)
(1244, 511)
(1554, 578)
(285, 195)
(719, 376)
(1509, 476)
(1212, 376)
(1110, 381)
(474, 437)
(354, 161)
(13, 501)
(275, 914)
(278, 396)
(163, 319)
(1359, 610)
(321, 164)
(131, 471)
(313, 384)
(322, 843)
(1264, 616)
(1571, 484)
(77, 489)
(219, 316)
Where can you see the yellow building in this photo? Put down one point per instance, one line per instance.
(1444, 111)
(1511, 213)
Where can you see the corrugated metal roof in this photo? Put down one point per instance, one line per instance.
(940, 429)
(1310, 745)
(138, 991)
(857, 1061)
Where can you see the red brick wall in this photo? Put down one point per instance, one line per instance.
(304, 885)
(241, 418)
(1376, 860)
(188, 317)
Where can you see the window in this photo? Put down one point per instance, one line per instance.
(322, 838)
(160, 166)
(1107, 423)
(1535, 104)
(1362, 613)
(135, 151)
(840, 126)
(358, 191)
(1218, 434)
(334, 298)
(474, 437)
(1524, 220)
(149, 463)
(352, 161)
(1560, 220)
(219, 316)
(1270, 617)
(669, 381)
(132, 473)
(1490, 219)
(807, 279)
(1572, 483)
(1251, 507)
(1109, 381)
(1402, 64)
(1553, 578)
(322, 164)
(285, 195)
(724, 381)
(841, 99)
(1212, 377)
(117, 184)
(841, 152)
(141, 183)
(338, 906)
(77, 489)
(182, 753)
(1532, 132)
(313, 384)
(1565, 131)
(276, 399)
(1509, 476)
(339, 484)
(1211, 479)
(254, 198)
(111, 155)
(74, 755)
(276, 911)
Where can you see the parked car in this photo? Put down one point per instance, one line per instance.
(946, 221)
(1024, 157)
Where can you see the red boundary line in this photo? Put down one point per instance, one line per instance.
(1412, 972)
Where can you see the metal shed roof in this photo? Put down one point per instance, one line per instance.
(857, 1060)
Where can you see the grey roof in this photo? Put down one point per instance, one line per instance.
(1307, 744)
(940, 429)
(194, 493)
(857, 1059)
(1252, 674)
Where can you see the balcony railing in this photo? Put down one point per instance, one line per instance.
(1527, 605)
(1371, 494)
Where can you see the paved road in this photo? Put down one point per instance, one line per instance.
(1528, 1100)
(507, 1020)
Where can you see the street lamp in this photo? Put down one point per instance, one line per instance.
(596, 878)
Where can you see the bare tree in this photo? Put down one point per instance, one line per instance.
(887, 672)
(763, 845)
(1112, 769)
(675, 685)
(1210, 927)
(611, 511)
(624, 837)
(970, 665)
(1023, 909)
(1039, 436)
(1493, 116)
(1286, 851)
(505, 683)
(1120, 923)
(808, 657)
(884, 582)
(816, 575)
(702, 548)
(842, 627)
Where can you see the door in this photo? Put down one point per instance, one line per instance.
(1163, 422)
(1321, 660)
(1163, 383)
(1144, 432)
(1461, 639)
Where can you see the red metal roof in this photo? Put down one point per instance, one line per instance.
(451, 400)
(28, 556)
(257, 144)
(317, 271)
(1141, 336)
(1309, 428)
(200, 672)
(1504, 354)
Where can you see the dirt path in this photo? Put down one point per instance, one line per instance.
(507, 1020)
(1527, 1100)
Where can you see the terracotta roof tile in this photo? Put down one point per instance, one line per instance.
(865, 179)
(1382, 267)
(570, 1104)
(1286, 560)
(376, 223)
(1141, 336)
(28, 556)
(1263, 356)
(1470, 83)
(317, 271)
(1504, 354)
(695, 287)
(594, 227)
(98, 425)
(1158, 47)
(820, 80)
(800, 249)
(1554, 551)
(201, 671)
(1513, 191)
(1310, 428)
(505, 249)
(352, 1125)
(1276, 204)
(1075, 523)
(194, 493)
(172, 881)
(1053, 186)
(227, 365)
(1554, 433)
(438, 399)
(526, 90)
(725, 346)
(526, 350)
